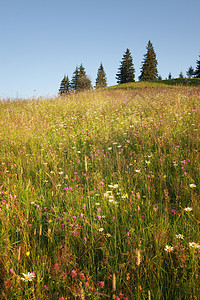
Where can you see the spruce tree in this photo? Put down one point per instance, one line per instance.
(80, 80)
(149, 65)
(83, 80)
(74, 81)
(126, 71)
(190, 72)
(64, 85)
(101, 80)
(197, 71)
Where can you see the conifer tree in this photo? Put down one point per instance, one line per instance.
(149, 65)
(126, 71)
(197, 71)
(101, 80)
(80, 80)
(64, 85)
(83, 80)
(74, 81)
(190, 72)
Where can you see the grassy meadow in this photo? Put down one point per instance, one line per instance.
(100, 195)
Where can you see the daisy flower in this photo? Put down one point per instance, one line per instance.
(28, 277)
(194, 245)
(188, 209)
(168, 248)
(192, 185)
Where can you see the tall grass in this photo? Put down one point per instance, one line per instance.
(100, 195)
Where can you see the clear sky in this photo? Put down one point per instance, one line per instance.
(41, 40)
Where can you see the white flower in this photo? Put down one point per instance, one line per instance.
(28, 277)
(108, 235)
(192, 185)
(113, 186)
(101, 229)
(147, 162)
(179, 236)
(137, 171)
(194, 245)
(168, 248)
(188, 209)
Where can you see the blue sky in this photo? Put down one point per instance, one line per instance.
(41, 40)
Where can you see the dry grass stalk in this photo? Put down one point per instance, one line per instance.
(19, 253)
(114, 282)
(138, 256)
(81, 292)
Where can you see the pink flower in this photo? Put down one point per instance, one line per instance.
(74, 217)
(101, 283)
(74, 274)
(61, 298)
(82, 276)
(12, 271)
(98, 217)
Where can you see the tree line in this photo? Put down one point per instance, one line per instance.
(125, 74)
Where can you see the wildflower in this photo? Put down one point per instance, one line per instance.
(192, 185)
(147, 162)
(174, 211)
(108, 235)
(179, 236)
(28, 277)
(101, 229)
(188, 209)
(169, 248)
(12, 271)
(100, 283)
(98, 217)
(137, 171)
(28, 253)
(74, 274)
(194, 245)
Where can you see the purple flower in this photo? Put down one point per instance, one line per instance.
(173, 211)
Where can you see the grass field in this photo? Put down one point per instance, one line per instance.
(100, 195)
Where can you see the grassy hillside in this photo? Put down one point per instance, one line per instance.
(100, 195)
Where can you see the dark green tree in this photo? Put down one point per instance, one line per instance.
(74, 81)
(126, 71)
(170, 76)
(64, 85)
(197, 71)
(83, 80)
(149, 65)
(190, 72)
(80, 80)
(181, 75)
(101, 80)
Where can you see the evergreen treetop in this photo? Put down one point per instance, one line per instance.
(64, 85)
(101, 80)
(126, 71)
(197, 71)
(149, 65)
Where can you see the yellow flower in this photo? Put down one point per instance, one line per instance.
(28, 253)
